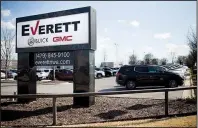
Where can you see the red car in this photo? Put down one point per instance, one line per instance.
(62, 74)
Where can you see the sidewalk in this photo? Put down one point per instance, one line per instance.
(10, 80)
(38, 82)
(187, 121)
(188, 93)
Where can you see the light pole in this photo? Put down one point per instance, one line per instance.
(143, 58)
(6, 63)
(104, 55)
(116, 45)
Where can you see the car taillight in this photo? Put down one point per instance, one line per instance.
(118, 74)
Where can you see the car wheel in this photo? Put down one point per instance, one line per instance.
(172, 84)
(99, 75)
(130, 85)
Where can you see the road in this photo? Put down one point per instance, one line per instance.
(101, 85)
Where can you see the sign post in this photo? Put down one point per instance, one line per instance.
(57, 39)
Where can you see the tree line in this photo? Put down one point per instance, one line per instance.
(148, 59)
(190, 60)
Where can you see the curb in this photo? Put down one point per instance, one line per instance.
(127, 123)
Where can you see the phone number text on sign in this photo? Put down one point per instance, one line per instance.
(53, 58)
(52, 55)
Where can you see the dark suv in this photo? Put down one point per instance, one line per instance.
(136, 75)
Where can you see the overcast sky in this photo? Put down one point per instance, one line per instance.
(156, 27)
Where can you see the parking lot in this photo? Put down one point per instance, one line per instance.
(101, 85)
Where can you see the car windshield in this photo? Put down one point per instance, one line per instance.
(107, 68)
(14, 71)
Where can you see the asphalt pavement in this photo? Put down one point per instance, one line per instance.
(101, 85)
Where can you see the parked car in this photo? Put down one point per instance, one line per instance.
(115, 70)
(39, 75)
(180, 72)
(2, 75)
(108, 71)
(64, 75)
(99, 73)
(137, 75)
(179, 69)
(13, 74)
(9, 73)
(44, 73)
(61, 74)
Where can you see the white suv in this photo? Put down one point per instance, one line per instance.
(39, 75)
(99, 74)
(43, 73)
(3, 75)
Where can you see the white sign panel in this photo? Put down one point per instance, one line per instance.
(62, 30)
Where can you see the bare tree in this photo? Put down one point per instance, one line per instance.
(181, 59)
(163, 61)
(141, 62)
(133, 59)
(192, 43)
(7, 47)
(147, 58)
(155, 61)
(105, 55)
(172, 56)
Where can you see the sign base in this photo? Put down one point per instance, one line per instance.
(84, 77)
(26, 78)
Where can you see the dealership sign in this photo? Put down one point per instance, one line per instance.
(57, 31)
(57, 39)
(64, 30)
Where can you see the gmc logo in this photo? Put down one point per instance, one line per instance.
(62, 39)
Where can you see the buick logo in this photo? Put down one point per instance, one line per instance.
(31, 41)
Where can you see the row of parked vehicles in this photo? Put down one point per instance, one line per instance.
(10, 73)
(132, 76)
(122, 76)
(67, 74)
